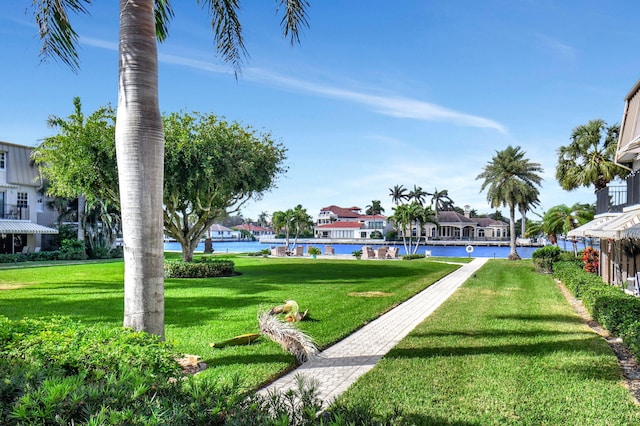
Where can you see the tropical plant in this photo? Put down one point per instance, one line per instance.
(589, 160)
(374, 208)
(410, 217)
(139, 131)
(561, 219)
(417, 194)
(506, 177)
(398, 193)
(440, 201)
(263, 218)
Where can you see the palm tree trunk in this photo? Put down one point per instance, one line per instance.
(513, 253)
(140, 154)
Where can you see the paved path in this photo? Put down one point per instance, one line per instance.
(337, 367)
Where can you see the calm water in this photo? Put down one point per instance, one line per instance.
(449, 251)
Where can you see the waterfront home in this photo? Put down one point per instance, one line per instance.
(23, 208)
(349, 223)
(220, 232)
(456, 226)
(255, 230)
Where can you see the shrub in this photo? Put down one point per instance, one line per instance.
(611, 307)
(413, 256)
(56, 371)
(591, 259)
(314, 251)
(206, 267)
(72, 250)
(545, 257)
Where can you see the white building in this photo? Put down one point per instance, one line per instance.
(22, 209)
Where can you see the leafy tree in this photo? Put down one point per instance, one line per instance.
(139, 131)
(80, 160)
(212, 167)
(589, 159)
(263, 218)
(527, 198)
(301, 221)
(398, 193)
(506, 177)
(374, 208)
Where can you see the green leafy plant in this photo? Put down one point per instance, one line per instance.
(357, 254)
(545, 257)
(206, 267)
(314, 251)
(413, 256)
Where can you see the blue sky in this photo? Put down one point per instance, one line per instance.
(378, 93)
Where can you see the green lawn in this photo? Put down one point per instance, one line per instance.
(506, 348)
(200, 311)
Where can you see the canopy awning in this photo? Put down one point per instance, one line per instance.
(584, 230)
(615, 227)
(24, 227)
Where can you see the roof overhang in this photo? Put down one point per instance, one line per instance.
(585, 229)
(24, 227)
(614, 228)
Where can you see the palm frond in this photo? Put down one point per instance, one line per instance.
(292, 339)
(59, 40)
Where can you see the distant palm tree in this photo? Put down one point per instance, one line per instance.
(300, 221)
(398, 193)
(374, 208)
(505, 177)
(562, 219)
(527, 198)
(263, 218)
(418, 194)
(440, 201)
(589, 158)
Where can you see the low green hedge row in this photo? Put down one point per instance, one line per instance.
(611, 307)
(413, 256)
(44, 256)
(207, 268)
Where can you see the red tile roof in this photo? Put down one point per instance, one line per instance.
(251, 227)
(350, 213)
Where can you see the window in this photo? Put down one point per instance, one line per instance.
(23, 199)
(3, 160)
(480, 232)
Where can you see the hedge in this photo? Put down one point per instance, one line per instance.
(205, 268)
(610, 306)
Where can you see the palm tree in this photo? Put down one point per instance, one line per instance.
(374, 208)
(440, 201)
(505, 177)
(562, 219)
(417, 194)
(139, 132)
(300, 220)
(263, 218)
(527, 198)
(397, 194)
(403, 218)
(589, 158)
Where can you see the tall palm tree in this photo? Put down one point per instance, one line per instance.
(417, 194)
(139, 132)
(300, 220)
(440, 201)
(527, 199)
(374, 208)
(263, 218)
(505, 177)
(589, 158)
(398, 193)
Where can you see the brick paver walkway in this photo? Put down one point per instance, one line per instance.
(337, 367)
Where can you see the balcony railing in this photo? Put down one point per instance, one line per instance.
(14, 211)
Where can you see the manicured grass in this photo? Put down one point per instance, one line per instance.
(506, 348)
(201, 311)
